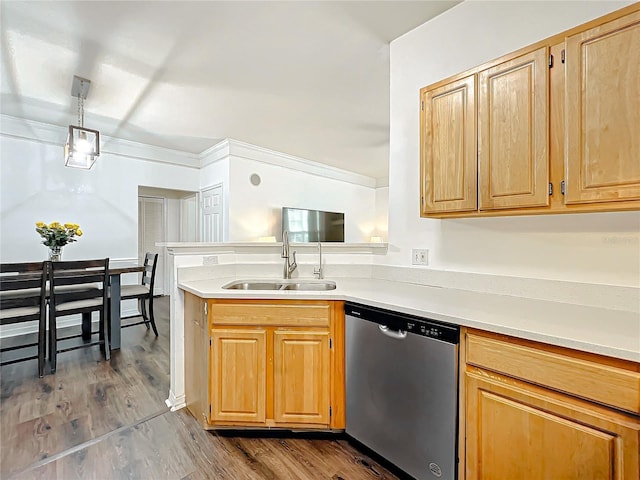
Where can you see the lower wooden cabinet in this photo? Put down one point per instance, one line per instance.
(516, 430)
(530, 427)
(268, 364)
(301, 377)
(238, 375)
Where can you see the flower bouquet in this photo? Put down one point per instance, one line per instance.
(56, 235)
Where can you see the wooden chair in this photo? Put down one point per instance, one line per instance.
(78, 287)
(143, 293)
(23, 299)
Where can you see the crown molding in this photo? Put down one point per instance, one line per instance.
(49, 134)
(248, 151)
(214, 154)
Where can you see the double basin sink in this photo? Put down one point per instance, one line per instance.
(314, 285)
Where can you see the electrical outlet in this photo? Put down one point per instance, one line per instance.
(420, 256)
(210, 260)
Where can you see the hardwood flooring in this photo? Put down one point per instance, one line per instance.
(107, 420)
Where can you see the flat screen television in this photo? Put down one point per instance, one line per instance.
(312, 225)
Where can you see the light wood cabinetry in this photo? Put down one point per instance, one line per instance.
(301, 377)
(513, 126)
(269, 364)
(539, 412)
(448, 153)
(238, 375)
(603, 112)
(556, 127)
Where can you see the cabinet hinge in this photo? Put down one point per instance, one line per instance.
(330, 411)
(550, 61)
(550, 188)
(562, 187)
(330, 344)
(562, 56)
(210, 340)
(209, 410)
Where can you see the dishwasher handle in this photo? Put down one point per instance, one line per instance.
(397, 334)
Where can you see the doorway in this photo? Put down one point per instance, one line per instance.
(212, 214)
(151, 229)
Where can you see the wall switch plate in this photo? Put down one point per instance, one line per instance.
(210, 260)
(420, 256)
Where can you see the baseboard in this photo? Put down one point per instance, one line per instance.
(176, 403)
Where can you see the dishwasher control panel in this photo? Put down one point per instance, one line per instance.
(404, 323)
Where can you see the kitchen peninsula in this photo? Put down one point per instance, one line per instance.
(562, 354)
(580, 360)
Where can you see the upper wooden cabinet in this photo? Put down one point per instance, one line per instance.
(448, 163)
(513, 133)
(603, 112)
(551, 128)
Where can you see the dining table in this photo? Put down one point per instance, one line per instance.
(115, 273)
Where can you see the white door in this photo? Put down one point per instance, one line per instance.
(151, 229)
(212, 214)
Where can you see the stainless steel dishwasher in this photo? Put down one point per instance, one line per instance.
(402, 389)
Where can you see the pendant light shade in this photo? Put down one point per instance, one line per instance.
(83, 144)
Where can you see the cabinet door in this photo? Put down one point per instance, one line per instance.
(515, 430)
(301, 377)
(238, 371)
(448, 156)
(513, 133)
(603, 113)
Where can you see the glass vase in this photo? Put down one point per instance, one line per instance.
(55, 253)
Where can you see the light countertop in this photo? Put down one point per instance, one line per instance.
(613, 333)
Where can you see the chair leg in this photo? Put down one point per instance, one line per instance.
(151, 317)
(53, 341)
(143, 312)
(104, 337)
(42, 344)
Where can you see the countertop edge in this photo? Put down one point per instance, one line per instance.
(344, 295)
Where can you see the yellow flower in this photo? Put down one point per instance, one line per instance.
(70, 226)
(78, 232)
(40, 224)
(54, 225)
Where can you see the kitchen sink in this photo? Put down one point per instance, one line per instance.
(243, 285)
(315, 285)
(309, 286)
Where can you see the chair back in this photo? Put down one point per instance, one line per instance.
(22, 291)
(149, 274)
(78, 280)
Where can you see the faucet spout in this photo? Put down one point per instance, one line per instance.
(288, 266)
(318, 271)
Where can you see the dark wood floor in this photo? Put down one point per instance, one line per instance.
(100, 420)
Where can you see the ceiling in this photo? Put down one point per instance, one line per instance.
(309, 79)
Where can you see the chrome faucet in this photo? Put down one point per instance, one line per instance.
(289, 267)
(318, 271)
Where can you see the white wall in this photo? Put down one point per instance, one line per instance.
(382, 213)
(600, 248)
(256, 211)
(36, 186)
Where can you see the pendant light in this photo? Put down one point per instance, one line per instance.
(83, 144)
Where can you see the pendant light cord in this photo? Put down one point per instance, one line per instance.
(81, 106)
